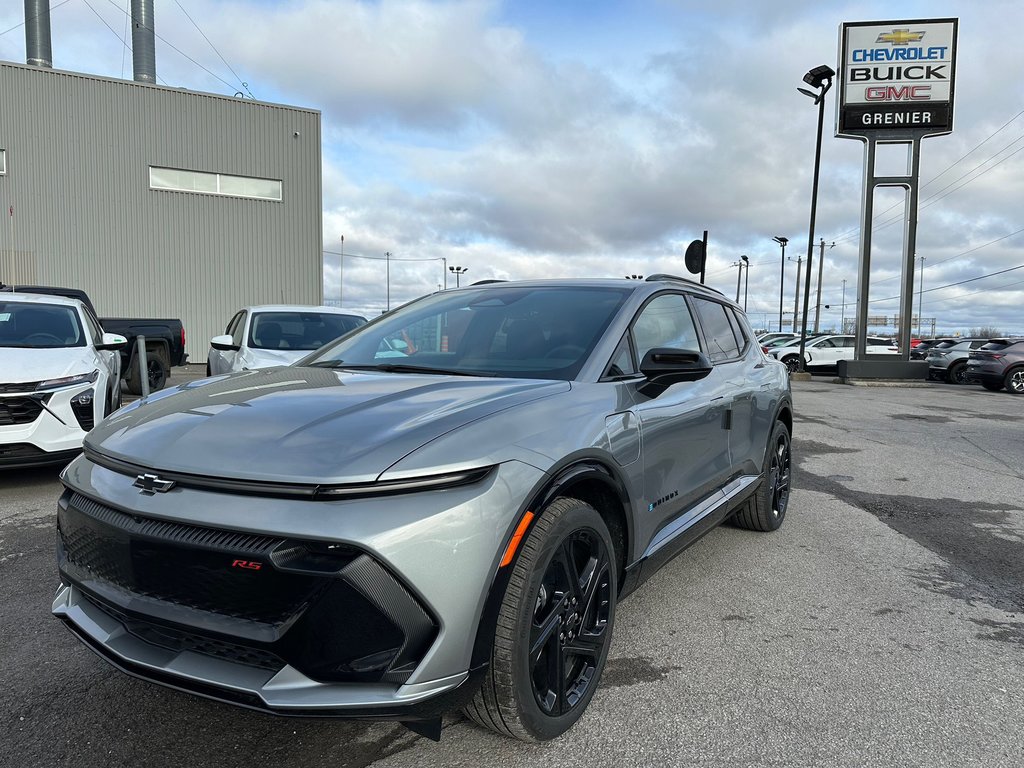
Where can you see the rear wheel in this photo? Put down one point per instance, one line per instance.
(766, 509)
(554, 627)
(1015, 381)
(957, 373)
(157, 370)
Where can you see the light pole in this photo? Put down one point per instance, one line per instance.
(821, 268)
(341, 275)
(782, 273)
(796, 299)
(920, 300)
(746, 282)
(842, 321)
(821, 78)
(458, 272)
(444, 271)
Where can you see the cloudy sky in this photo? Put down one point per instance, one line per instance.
(547, 138)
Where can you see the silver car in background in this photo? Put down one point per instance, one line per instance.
(262, 337)
(440, 511)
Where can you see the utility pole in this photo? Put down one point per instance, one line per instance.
(341, 275)
(739, 276)
(821, 266)
(387, 256)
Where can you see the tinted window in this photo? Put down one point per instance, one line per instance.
(37, 326)
(664, 322)
(622, 361)
(996, 344)
(718, 333)
(299, 330)
(235, 328)
(738, 328)
(540, 332)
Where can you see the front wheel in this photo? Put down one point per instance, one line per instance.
(792, 363)
(554, 627)
(766, 509)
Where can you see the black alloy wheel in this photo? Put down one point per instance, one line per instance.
(766, 509)
(792, 363)
(957, 373)
(554, 626)
(569, 630)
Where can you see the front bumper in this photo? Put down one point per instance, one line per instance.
(54, 435)
(287, 644)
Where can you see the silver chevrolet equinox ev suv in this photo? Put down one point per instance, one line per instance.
(437, 511)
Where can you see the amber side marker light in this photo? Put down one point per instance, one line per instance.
(517, 537)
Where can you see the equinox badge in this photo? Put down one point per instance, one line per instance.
(150, 484)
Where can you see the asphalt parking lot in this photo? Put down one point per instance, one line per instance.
(882, 625)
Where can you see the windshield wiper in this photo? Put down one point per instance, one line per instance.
(395, 368)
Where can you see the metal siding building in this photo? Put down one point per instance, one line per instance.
(78, 153)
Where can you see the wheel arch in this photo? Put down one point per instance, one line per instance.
(589, 479)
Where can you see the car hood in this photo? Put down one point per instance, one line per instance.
(19, 365)
(302, 425)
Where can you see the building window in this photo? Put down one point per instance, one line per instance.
(178, 180)
(3, 162)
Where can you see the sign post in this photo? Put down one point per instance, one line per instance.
(896, 85)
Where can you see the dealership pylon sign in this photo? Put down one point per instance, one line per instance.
(896, 86)
(896, 78)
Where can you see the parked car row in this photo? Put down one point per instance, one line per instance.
(822, 352)
(61, 367)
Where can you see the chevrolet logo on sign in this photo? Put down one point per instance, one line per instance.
(900, 37)
(150, 484)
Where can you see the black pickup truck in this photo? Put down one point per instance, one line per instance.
(165, 338)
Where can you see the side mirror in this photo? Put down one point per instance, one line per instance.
(224, 343)
(111, 341)
(665, 366)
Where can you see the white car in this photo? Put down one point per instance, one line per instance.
(60, 374)
(263, 337)
(826, 351)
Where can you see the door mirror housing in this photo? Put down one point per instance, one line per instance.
(112, 341)
(224, 343)
(665, 366)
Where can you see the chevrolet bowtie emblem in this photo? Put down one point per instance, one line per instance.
(151, 484)
(900, 37)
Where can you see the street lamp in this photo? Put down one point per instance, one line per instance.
(458, 272)
(820, 78)
(782, 274)
(746, 282)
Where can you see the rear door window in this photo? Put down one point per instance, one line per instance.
(718, 330)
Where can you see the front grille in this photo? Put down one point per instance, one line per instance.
(331, 611)
(21, 410)
(16, 387)
(183, 565)
(179, 639)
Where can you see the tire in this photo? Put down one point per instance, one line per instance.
(792, 363)
(957, 373)
(991, 387)
(208, 373)
(1014, 382)
(766, 509)
(157, 368)
(541, 608)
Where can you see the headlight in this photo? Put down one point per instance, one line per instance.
(68, 381)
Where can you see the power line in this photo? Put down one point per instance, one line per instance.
(244, 84)
(384, 258)
(173, 47)
(22, 24)
(953, 285)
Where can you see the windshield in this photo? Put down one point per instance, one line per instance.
(39, 326)
(540, 332)
(299, 330)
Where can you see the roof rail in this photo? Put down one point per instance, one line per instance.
(488, 282)
(662, 276)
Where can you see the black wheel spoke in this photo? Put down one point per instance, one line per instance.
(568, 562)
(546, 633)
(588, 644)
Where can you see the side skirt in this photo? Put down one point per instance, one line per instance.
(686, 529)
